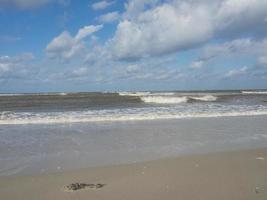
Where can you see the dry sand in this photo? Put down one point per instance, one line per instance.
(238, 175)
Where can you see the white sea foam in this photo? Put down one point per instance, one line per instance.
(205, 98)
(162, 94)
(176, 99)
(164, 99)
(141, 94)
(254, 92)
(4, 95)
(133, 93)
(136, 114)
(32, 94)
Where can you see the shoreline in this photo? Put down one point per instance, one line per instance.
(225, 175)
(57, 148)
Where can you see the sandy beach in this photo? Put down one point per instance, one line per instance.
(233, 175)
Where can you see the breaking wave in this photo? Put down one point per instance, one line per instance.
(32, 94)
(136, 94)
(205, 98)
(176, 100)
(167, 97)
(254, 92)
(164, 100)
(130, 114)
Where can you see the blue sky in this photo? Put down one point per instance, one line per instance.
(67, 45)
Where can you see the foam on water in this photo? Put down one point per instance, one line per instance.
(32, 94)
(164, 99)
(98, 107)
(205, 98)
(146, 113)
(133, 93)
(168, 97)
(141, 94)
(254, 92)
(6, 95)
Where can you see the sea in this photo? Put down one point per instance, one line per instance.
(44, 132)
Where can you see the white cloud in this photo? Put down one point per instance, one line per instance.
(246, 47)
(147, 69)
(102, 5)
(80, 72)
(197, 64)
(87, 30)
(77, 74)
(262, 61)
(65, 46)
(161, 30)
(14, 66)
(135, 7)
(237, 72)
(240, 16)
(109, 17)
(151, 28)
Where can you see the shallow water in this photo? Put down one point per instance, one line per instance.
(41, 148)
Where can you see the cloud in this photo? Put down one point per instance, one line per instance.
(262, 61)
(76, 74)
(197, 64)
(14, 66)
(109, 17)
(230, 49)
(80, 72)
(87, 30)
(237, 72)
(65, 46)
(161, 30)
(241, 17)
(153, 27)
(135, 7)
(28, 4)
(148, 69)
(102, 5)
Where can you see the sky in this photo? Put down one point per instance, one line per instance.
(132, 45)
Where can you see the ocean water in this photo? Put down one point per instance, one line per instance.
(100, 107)
(40, 133)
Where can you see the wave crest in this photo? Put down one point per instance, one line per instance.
(105, 115)
(254, 92)
(164, 100)
(136, 94)
(205, 98)
(176, 100)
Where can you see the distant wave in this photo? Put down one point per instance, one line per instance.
(32, 94)
(254, 92)
(5, 95)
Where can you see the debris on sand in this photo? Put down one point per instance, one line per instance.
(80, 186)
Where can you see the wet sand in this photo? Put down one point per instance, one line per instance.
(233, 175)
